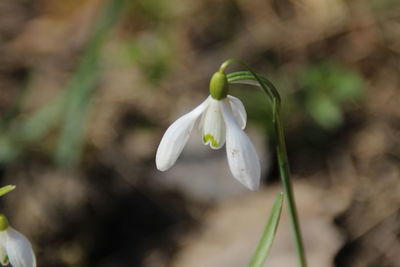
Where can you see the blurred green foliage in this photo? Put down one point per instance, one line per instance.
(152, 55)
(70, 108)
(149, 47)
(326, 87)
(383, 5)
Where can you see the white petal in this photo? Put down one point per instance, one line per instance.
(238, 110)
(19, 249)
(176, 137)
(212, 125)
(242, 156)
(3, 252)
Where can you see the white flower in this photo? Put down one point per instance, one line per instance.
(221, 121)
(15, 249)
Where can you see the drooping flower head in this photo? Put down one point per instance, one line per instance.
(15, 248)
(222, 120)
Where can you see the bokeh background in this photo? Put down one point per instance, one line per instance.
(88, 87)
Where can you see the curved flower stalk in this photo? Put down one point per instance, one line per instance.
(15, 248)
(252, 78)
(222, 120)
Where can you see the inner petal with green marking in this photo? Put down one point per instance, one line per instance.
(212, 125)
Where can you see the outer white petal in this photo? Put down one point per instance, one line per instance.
(19, 249)
(242, 156)
(176, 137)
(3, 252)
(212, 125)
(238, 110)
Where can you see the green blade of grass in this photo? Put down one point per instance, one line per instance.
(261, 253)
(71, 106)
(6, 189)
(82, 87)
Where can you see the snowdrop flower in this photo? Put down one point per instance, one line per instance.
(15, 248)
(222, 119)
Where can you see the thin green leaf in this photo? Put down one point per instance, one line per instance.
(82, 87)
(6, 189)
(268, 236)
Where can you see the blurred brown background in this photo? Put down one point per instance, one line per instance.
(88, 87)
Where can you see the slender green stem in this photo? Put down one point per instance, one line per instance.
(287, 186)
(283, 161)
(270, 89)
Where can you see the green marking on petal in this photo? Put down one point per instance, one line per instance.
(211, 138)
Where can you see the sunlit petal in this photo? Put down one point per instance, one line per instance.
(19, 249)
(238, 110)
(242, 156)
(213, 126)
(176, 137)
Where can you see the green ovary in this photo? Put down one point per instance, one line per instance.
(5, 260)
(3, 223)
(211, 138)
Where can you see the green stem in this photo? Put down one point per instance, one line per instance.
(270, 89)
(284, 171)
(283, 161)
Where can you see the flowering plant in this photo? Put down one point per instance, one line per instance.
(223, 118)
